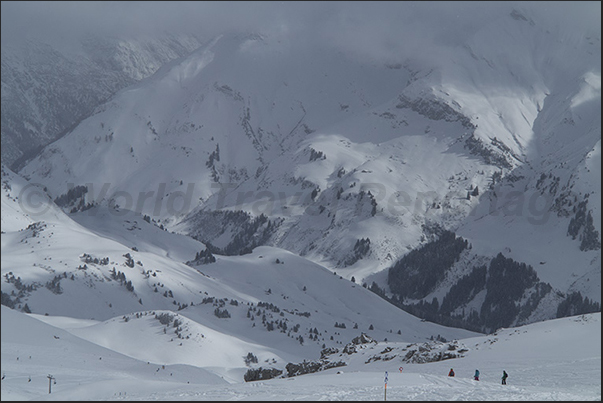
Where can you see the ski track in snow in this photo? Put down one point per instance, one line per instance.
(568, 367)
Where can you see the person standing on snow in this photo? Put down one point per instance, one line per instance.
(476, 376)
(504, 377)
(451, 373)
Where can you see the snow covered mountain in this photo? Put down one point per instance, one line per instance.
(48, 88)
(271, 298)
(221, 218)
(353, 163)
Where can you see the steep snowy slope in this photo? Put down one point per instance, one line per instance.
(546, 212)
(48, 255)
(48, 87)
(264, 140)
(278, 305)
(203, 106)
(201, 131)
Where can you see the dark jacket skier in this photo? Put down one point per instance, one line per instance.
(504, 377)
(476, 376)
(451, 373)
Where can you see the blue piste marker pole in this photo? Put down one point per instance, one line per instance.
(385, 396)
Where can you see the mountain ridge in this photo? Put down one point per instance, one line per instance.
(357, 179)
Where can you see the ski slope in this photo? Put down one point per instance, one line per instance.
(553, 360)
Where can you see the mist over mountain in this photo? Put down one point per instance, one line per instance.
(414, 170)
(48, 89)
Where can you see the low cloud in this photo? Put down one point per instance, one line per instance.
(378, 29)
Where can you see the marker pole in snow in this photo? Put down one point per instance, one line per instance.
(385, 395)
(50, 379)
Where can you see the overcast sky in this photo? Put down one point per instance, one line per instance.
(378, 27)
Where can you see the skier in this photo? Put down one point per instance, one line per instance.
(451, 373)
(504, 377)
(476, 376)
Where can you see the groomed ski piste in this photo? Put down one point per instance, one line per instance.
(553, 360)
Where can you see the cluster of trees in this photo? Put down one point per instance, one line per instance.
(74, 197)
(259, 374)
(89, 259)
(203, 257)
(438, 338)
(464, 290)
(372, 202)
(250, 359)
(251, 232)
(309, 367)
(305, 367)
(36, 228)
(152, 221)
(304, 314)
(214, 156)
(279, 324)
(435, 110)
(269, 306)
(575, 304)
(121, 277)
(6, 300)
(129, 260)
(489, 156)
(164, 318)
(314, 334)
(245, 231)
(589, 237)
(222, 313)
(54, 285)
(417, 273)
(506, 282)
(362, 201)
(178, 330)
(22, 290)
(315, 155)
(17, 283)
(271, 324)
(361, 248)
